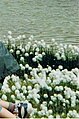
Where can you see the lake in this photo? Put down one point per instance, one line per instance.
(45, 19)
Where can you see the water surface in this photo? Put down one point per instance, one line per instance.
(45, 19)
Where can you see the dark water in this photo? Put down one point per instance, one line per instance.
(45, 19)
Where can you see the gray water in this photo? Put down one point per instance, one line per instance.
(45, 19)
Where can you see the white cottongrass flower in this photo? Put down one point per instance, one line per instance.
(59, 88)
(26, 76)
(53, 98)
(40, 67)
(9, 37)
(34, 46)
(36, 53)
(23, 36)
(36, 100)
(26, 54)
(8, 90)
(11, 50)
(34, 94)
(73, 114)
(40, 55)
(9, 32)
(14, 78)
(27, 66)
(48, 80)
(73, 100)
(53, 40)
(23, 50)
(22, 67)
(13, 97)
(45, 96)
(39, 43)
(7, 77)
(58, 56)
(5, 86)
(49, 88)
(41, 80)
(43, 53)
(58, 116)
(4, 97)
(50, 102)
(37, 86)
(19, 37)
(37, 49)
(17, 92)
(50, 117)
(30, 68)
(34, 59)
(22, 59)
(31, 37)
(17, 52)
(13, 87)
(24, 91)
(60, 97)
(67, 92)
(23, 87)
(60, 67)
(77, 93)
(17, 84)
(19, 96)
(49, 68)
(29, 87)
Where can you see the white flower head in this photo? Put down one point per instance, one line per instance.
(22, 59)
(4, 97)
(9, 37)
(29, 87)
(17, 52)
(27, 66)
(17, 92)
(60, 67)
(13, 88)
(34, 59)
(25, 76)
(23, 36)
(13, 97)
(23, 50)
(9, 33)
(11, 50)
(18, 85)
(45, 96)
(23, 87)
(53, 40)
(26, 54)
